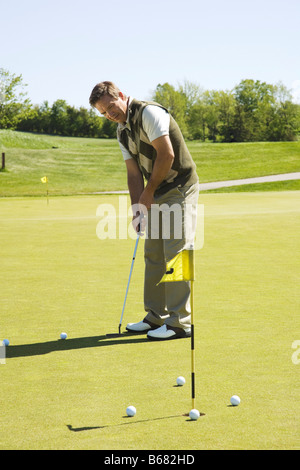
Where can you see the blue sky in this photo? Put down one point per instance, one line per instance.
(63, 48)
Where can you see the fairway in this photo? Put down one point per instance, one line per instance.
(56, 275)
(80, 166)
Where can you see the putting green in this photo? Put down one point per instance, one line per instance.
(56, 275)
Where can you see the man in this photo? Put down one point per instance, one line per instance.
(154, 150)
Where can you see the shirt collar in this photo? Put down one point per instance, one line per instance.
(121, 125)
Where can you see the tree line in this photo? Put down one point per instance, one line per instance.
(251, 111)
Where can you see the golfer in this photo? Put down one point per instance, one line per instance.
(162, 181)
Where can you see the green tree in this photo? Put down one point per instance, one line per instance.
(58, 117)
(44, 118)
(211, 115)
(225, 103)
(203, 117)
(14, 106)
(286, 116)
(174, 101)
(194, 110)
(252, 111)
(108, 130)
(192, 93)
(248, 94)
(197, 121)
(264, 112)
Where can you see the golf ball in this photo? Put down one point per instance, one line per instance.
(63, 336)
(235, 400)
(194, 414)
(130, 411)
(180, 381)
(5, 342)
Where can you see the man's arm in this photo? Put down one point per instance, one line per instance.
(135, 181)
(162, 165)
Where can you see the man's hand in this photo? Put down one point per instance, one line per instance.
(139, 223)
(144, 204)
(146, 199)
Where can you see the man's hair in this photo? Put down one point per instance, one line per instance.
(101, 89)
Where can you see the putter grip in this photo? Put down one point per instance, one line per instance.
(139, 225)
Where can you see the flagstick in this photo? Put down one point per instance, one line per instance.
(182, 268)
(192, 345)
(47, 193)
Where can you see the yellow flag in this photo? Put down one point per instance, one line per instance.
(44, 179)
(180, 268)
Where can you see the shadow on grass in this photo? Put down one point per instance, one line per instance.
(38, 349)
(91, 428)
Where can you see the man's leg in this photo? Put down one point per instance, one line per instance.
(177, 294)
(154, 295)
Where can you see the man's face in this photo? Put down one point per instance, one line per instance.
(113, 109)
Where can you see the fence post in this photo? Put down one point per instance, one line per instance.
(3, 161)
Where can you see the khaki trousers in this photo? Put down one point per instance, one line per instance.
(171, 227)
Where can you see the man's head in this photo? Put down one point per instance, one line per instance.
(109, 101)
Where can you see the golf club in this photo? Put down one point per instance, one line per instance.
(116, 335)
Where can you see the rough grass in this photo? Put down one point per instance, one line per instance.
(81, 166)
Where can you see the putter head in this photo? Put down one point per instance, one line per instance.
(114, 335)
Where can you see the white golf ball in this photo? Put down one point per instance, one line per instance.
(63, 336)
(130, 411)
(235, 400)
(194, 414)
(5, 342)
(180, 381)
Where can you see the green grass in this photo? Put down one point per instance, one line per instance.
(74, 166)
(289, 185)
(81, 166)
(56, 275)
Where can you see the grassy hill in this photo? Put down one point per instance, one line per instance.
(81, 166)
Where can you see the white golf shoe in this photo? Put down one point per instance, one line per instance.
(168, 332)
(141, 327)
